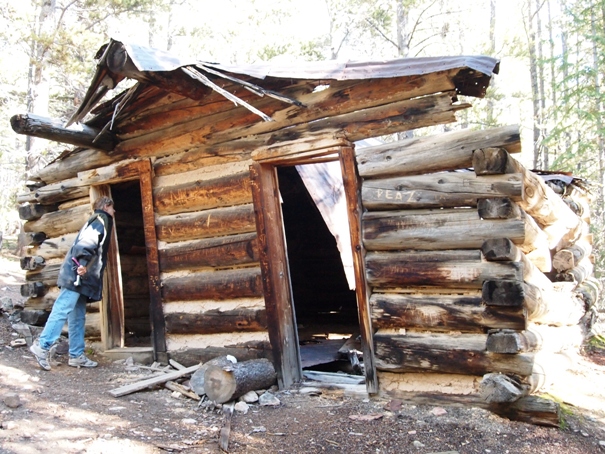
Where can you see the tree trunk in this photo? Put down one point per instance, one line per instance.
(223, 384)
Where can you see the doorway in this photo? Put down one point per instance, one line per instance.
(324, 301)
(133, 263)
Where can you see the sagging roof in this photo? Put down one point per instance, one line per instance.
(118, 60)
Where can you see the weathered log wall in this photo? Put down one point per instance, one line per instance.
(434, 231)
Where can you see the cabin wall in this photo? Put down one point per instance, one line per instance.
(460, 265)
(211, 282)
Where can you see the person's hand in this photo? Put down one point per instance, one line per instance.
(81, 270)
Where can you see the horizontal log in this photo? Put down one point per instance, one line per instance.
(51, 129)
(73, 162)
(61, 222)
(441, 313)
(216, 321)
(47, 275)
(33, 211)
(532, 410)
(401, 269)
(45, 301)
(242, 352)
(215, 252)
(539, 200)
(35, 238)
(124, 170)
(52, 248)
(203, 195)
(74, 203)
(437, 190)
(535, 245)
(435, 229)
(223, 126)
(214, 285)
(452, 150)
(589, 291)
(61, 191)
(28, 196)
(205, 224)
(463, 354)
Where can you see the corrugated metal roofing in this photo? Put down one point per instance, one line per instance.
(146, 59)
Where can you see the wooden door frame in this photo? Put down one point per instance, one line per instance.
(117, 173)
(281, 319)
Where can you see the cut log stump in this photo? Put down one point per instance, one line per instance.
(223, 384)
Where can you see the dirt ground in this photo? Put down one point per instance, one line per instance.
(69, 410)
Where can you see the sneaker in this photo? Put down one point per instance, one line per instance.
(40, 354)
(82, 361)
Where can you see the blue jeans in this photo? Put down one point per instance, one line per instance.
(69, 307)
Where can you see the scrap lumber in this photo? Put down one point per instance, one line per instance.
(173, 386)
(223, 442)
(138, 386)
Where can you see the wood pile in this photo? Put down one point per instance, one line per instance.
(473, 272)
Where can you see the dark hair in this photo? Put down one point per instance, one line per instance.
(102, 202)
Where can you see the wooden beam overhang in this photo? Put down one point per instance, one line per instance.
(52, 129)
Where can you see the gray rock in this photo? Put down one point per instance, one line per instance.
(418, 444)
(268, 399)
(241, 407)
(12, 400)
(602, 444)
(250, 397)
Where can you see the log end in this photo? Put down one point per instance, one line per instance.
(219, 384)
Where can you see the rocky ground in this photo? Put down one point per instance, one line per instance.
(69, 410)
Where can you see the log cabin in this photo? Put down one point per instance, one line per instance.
(258, 216)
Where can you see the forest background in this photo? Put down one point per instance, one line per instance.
(552, 56)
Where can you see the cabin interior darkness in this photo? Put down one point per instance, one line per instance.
(325, 307)
(131, 244)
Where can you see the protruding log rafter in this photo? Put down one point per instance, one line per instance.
(50, 129)
(34, 211)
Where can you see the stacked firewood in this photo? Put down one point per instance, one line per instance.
(472, 272)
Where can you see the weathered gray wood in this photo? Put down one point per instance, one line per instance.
(531, 409)
(33, 211)
(441, 313)
(435, 229)
(32, 263)
(51, 129)
(57, 247)
(60, 223)
(560, 223)
(460, 354)
(571, 256)
(61, 191)
(453, 150)
(138, 386)
(401, 269)
(223, 384)
(437, 190)
(216, 321)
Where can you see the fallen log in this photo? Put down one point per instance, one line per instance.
(530, 409)
(223, 384)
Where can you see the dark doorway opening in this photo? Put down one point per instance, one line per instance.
(133, 263)
(325, 307)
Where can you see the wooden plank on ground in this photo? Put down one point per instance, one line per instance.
(138, 386)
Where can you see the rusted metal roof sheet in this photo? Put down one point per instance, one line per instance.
(146, 59)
